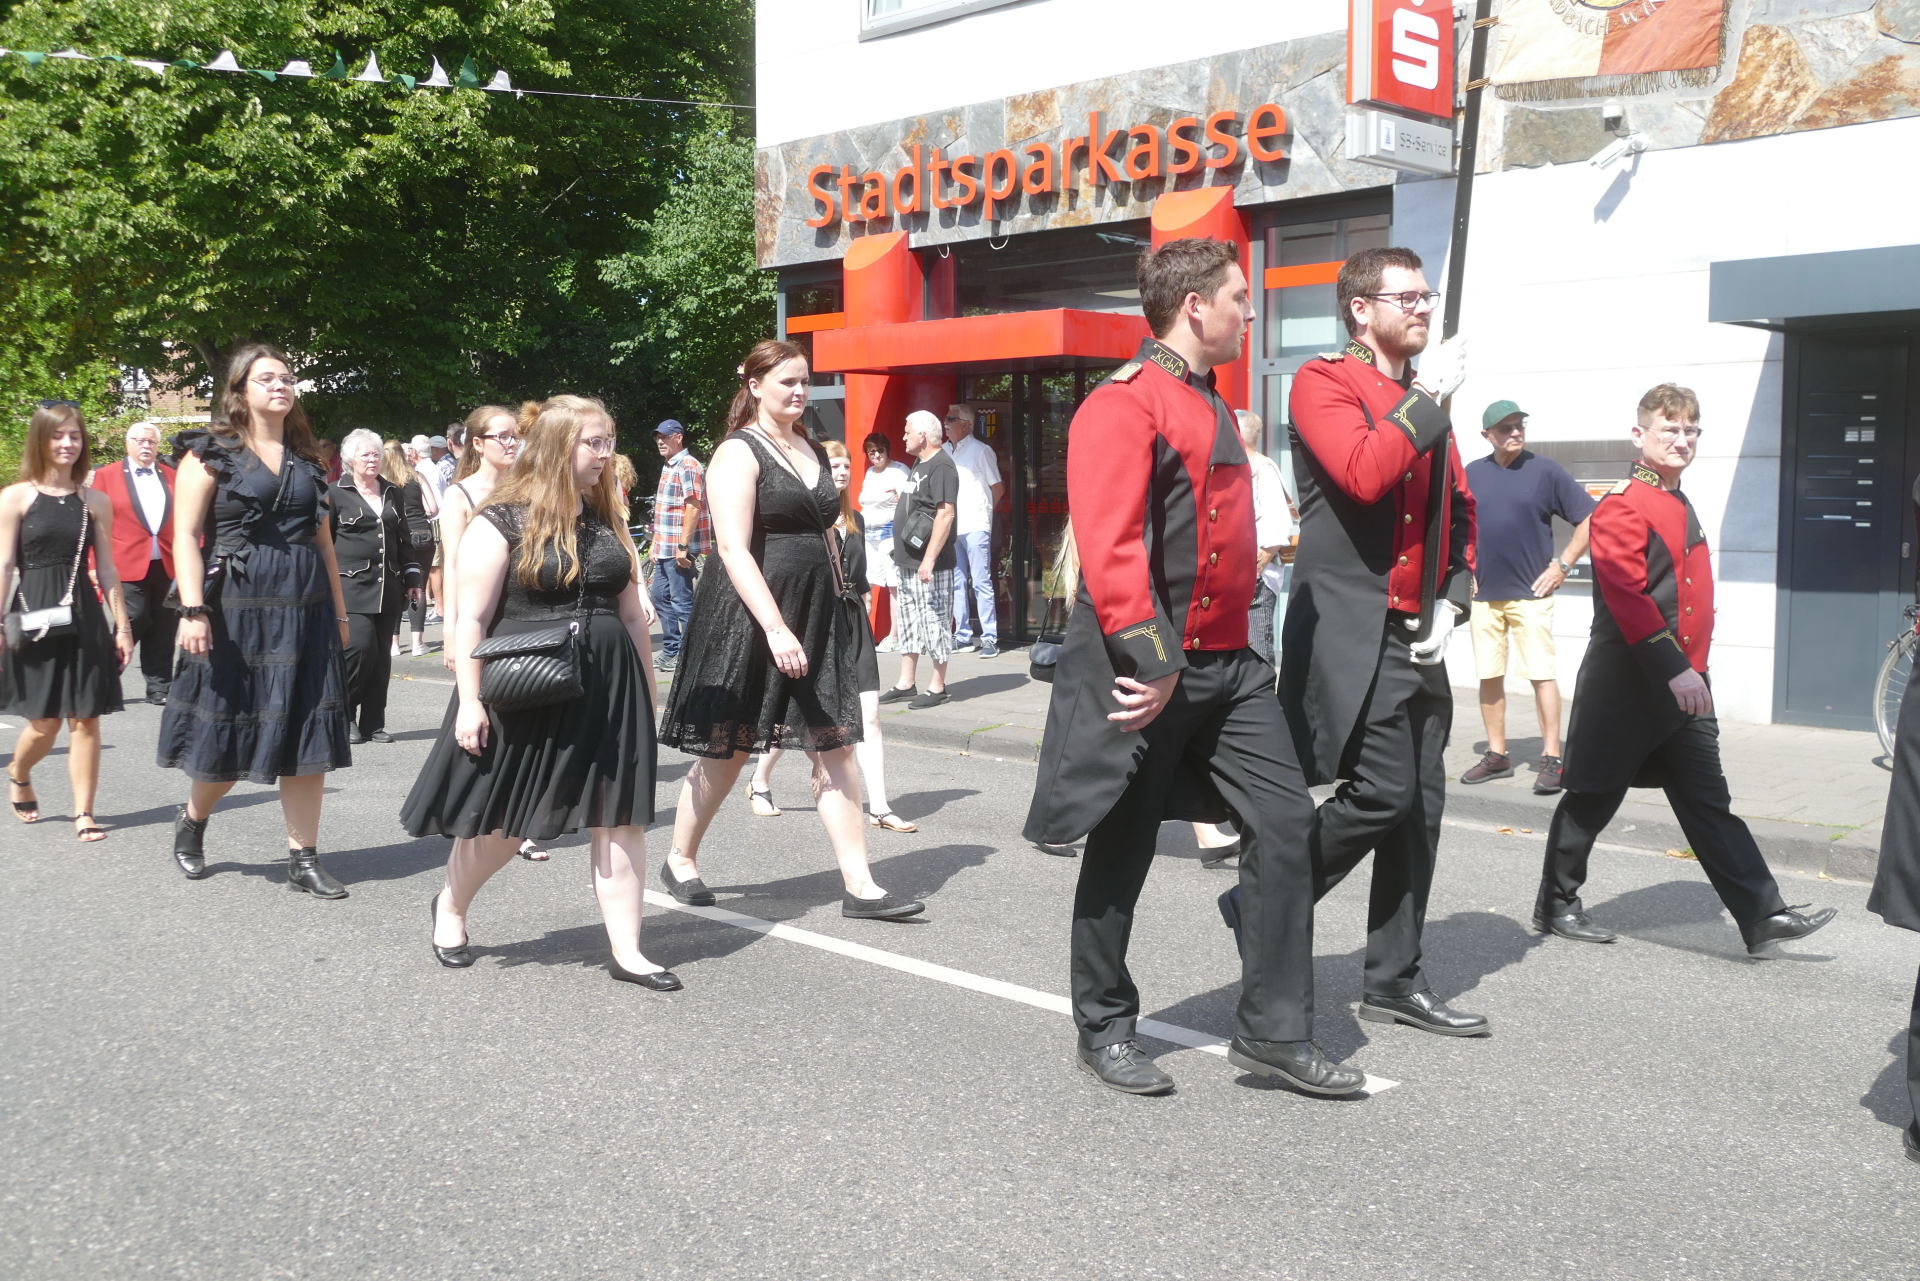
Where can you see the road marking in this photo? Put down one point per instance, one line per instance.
(1169, 1032)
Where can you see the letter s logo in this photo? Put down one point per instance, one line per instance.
(1416, 49)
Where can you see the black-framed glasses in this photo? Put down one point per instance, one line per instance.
(56, 404)
(1408, 300)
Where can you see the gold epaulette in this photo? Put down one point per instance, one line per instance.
(1334, 357)
(1621, 487)
(1126, 373)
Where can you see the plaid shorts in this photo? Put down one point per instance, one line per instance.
(923, 617)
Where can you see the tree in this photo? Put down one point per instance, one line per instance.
(417, 251)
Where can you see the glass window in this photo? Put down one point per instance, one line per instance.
(1302, 312)
(1086, 269)
(884, 17)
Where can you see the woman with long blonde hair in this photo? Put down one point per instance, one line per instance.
(549, 547)
(769, 658)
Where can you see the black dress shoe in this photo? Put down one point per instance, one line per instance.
(884, 908)
(305, 874)
(189, 841)
(693, 891)
(157, 695)
(1784, 926)
(1577, 926)
(354, 736)
(1424, 1011)
(1224, 856)
(379, 736)
(1124, 1067)
(658, 981)
(1298, 1063)
(1910, 1140)
(454, 958)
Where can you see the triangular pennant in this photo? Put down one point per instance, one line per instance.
(338, 71)
(71, 53)
(225, 62)
(438, 80)
(33, 59)
(298, 67)
(371, 72)
(105, 57)
(157, 68)
(403, 78)
(268, 76)
(500, 83)
(187, 63)
(469, 74)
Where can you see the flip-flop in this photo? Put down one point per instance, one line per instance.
(889, 821)
(763, 805)
(91, 832)
(29, 806)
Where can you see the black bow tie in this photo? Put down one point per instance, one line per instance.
(143, 471)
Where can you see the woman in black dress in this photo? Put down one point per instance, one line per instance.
(396, 470)
(48, 522)
(550, 547)
(259, 693)
(378, 576)
(1896, 886)
(770, 658)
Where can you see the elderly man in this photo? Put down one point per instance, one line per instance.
(980, 491)
(682, 534)
(141, 491)
(923, 552)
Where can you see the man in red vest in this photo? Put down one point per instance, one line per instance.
(1642, 711)
(141, 490)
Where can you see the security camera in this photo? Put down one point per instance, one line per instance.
(1612, 116)
(1610, 155)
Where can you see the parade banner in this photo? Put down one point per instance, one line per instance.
(1587, 48)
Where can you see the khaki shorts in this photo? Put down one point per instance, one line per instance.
(1526, 625)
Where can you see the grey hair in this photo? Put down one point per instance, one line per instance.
(358, 439)
(1248, 421)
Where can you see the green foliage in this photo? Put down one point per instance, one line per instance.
(417, 252)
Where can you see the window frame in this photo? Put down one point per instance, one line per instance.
(926, 14)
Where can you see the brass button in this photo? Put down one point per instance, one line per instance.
(1689, 609)
(1189, 642)
(1409, 475)
(1689, 582)
(1686, 640)
(1209, 469)
(1407, 519)
(1396, 600)
(1213, 513)
(1213, 558)
(1403, 560)
(1206, 602)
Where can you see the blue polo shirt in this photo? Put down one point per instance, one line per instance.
(1515, 507)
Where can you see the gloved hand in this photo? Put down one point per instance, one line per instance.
(1446, 615)
(1443, 368)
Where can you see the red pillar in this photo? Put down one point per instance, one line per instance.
(1208, 213)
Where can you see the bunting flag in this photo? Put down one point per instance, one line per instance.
(468, 76)
(1553, 49)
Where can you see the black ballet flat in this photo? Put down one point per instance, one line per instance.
(454, 958)
(658, 981)
(693, 891)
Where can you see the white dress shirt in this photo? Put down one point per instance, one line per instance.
(151, 494)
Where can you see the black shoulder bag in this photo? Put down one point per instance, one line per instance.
(524, 670)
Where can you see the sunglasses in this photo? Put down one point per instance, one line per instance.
(57, 404)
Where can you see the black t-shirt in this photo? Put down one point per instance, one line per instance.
(934, 481)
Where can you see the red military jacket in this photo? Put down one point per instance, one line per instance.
(1161, 496)
(132, 539)
(1651, 561)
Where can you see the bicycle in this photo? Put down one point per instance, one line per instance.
(1890, 686)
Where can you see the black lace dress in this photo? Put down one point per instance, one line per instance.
(269, 700)
(77, 674)
(550, 771)
(727, 695)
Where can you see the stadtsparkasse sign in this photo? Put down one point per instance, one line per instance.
(1400, 55)
(1000, 178)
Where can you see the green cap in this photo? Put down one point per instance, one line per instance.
(1500, 409)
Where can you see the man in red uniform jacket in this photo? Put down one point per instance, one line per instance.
(1383, 574)
(1642, 711)
(141, 490)
(1160, 709)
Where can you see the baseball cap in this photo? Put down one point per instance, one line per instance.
(1500, 409)
(436, 442)
(670, 427)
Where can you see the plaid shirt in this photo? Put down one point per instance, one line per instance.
(682, 478)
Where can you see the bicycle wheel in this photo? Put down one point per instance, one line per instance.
(1890, 686)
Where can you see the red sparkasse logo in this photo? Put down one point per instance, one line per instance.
(1400, 54)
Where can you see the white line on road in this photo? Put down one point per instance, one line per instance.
(1169, 1032)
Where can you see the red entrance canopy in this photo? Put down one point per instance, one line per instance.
(1021, 339)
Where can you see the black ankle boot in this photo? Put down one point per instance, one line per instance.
(189, 836)
(305, 873)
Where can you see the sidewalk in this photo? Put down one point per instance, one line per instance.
(1814, 797)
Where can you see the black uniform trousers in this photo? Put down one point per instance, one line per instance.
(1689, 765)
(153, 624)
(1224, 720)
(1389, 804)
(1913, 1057)
(370, 663)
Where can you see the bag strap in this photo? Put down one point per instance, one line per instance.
(80, 550)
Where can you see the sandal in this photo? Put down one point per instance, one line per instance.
(91, 832)
(29, 807)
(530, 850)
(890, 821)
(762, 802)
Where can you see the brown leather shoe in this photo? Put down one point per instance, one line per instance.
(1492, 765)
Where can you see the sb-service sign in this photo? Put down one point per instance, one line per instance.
(1400, 55)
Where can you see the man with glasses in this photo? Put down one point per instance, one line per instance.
(980, 491)
(682, 533)
(1386, 533)
(1642, 710)
(141, 491)
(1516, 495)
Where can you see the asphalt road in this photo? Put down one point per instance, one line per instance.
(226, 1080)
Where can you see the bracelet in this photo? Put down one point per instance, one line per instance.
(339, 620)
(191, 611)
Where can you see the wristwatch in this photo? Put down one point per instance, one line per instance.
(1562, 566)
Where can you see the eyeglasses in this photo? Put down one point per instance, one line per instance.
(276, 380)
(1675, 433)
(602, 446)
(506, 438)
(1409, 300)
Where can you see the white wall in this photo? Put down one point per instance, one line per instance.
(815, 74)
(1588, 286)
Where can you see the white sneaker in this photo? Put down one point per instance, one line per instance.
(886, 646)
(395, 651)
(419, 644)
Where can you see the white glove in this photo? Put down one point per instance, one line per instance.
(1443, 368)
(1427, 652)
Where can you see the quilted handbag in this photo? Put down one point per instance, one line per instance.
(524, 670)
